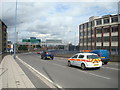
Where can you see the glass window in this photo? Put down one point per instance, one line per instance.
(99, 30)
(81, 56)
(106, 39)
(93, 23)
(85, 33)
(114, 19)
(4, 44)
(106, 30)
(99, 39)
(93, 39)
(92, 32)
(85, 25)
(89, 33)
(81, 40)
(80, 27)
(89, 39)
(115, 29)
(89, 24)
(4, 39)
(75, 56)
(98, 47)
(92, 57)
(84, 39)
(114, 38)
(80, 33)
(106, 20)
(99, 22)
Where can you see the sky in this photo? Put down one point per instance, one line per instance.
(50, 19)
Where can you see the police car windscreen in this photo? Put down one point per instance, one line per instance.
(92, 56)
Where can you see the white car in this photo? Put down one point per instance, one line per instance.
(85, 60)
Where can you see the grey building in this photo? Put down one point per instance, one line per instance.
(53, 42)
(101, 33)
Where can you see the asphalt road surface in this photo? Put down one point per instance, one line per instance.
(69, 77)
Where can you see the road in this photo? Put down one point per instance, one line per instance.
(69, 77)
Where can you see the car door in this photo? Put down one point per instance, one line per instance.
(73, 59)
(79, 59)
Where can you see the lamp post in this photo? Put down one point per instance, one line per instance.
(119, 27)
(74, 39)
(15, 31)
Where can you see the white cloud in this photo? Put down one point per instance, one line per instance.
(53, 19)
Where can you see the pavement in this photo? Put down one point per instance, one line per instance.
(12, 76)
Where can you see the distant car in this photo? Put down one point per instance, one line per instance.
(47, 55)
(85, 60)
(103, 54)
(38, 52)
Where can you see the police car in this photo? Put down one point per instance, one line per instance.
(85, 60)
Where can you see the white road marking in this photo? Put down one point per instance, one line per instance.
(65, 67)
(58, 86)
(94, 74)
(83, 71)
(111, 68)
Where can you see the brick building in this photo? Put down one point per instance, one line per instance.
(3, 37)
(101, 33)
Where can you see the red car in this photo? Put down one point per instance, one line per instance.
(38, 52)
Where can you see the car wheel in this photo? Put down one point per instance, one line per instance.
(52, 58)
(69, 64)
(105, 62)
(83, 67)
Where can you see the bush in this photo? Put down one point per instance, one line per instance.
(22, 47)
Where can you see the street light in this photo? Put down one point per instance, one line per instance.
(118, 22)
(15, 31)
(74, 39)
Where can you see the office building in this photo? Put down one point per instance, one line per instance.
(101, 33)
(3, 37)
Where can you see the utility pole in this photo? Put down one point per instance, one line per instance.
(74, 39)
(119, 28)
(15, 31)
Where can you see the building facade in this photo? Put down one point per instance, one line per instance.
(101, 33)
(3, 37)
(53, 42)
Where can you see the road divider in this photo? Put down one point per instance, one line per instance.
(42, 77)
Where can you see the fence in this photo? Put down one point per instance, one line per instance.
(68, 54)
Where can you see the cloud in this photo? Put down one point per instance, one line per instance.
(57, 20)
